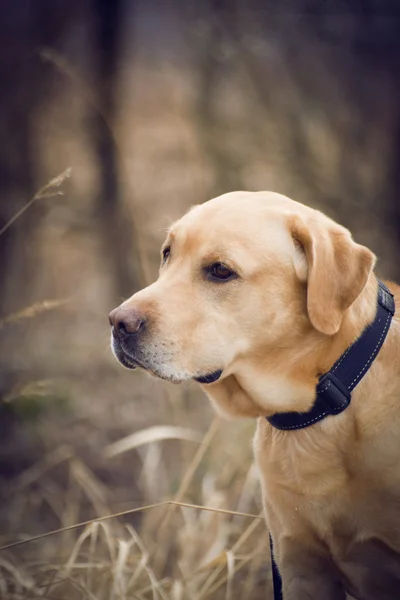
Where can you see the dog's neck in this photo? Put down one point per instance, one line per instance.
(285, 379)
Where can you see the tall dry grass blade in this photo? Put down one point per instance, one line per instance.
(129, 512)
(230, 567)
(92, 487)
(54, 183)
(64, 66)
(190, 471)
(177, 590)
(198, 457)
(259, 558)
(50, 577)
(79, 525)
(204, 592)
(259, 552)
(19, 579)
(152, 434)
(38, 387)
(36, 471)
(70, 514)
(3, 587)
(46, 191)
(152, 487)
(92, 550)
(104, 527)
(223, 511)
(149, 588)
(235, 568)
(156, 588)
(75, 550)
(84, 592)
(51, 494)
(32, 311)
(187, 478)
(143, 566)
(140, 568)
(119, 586)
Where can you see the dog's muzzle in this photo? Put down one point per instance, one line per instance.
(127, 327)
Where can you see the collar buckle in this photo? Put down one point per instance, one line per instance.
(334, 393)
(386, 298)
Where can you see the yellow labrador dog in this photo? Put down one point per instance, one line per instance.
(258, 296)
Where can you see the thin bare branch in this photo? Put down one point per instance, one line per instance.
(47, 191)
(127, 512)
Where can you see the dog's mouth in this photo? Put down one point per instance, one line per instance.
(123, 357)
(127, 360)
(210, 377)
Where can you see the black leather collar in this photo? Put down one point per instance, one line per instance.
(334, 387)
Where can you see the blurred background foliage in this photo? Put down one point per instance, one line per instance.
(115, 117)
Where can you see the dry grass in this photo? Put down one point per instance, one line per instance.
(170, 549)
(176, 550)
(47, 191)
(192, 529)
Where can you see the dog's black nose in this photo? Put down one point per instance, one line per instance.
(126, 321)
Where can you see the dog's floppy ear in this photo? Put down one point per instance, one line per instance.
(335, 267)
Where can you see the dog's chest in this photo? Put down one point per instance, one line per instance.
(314, 492)
(313, 484)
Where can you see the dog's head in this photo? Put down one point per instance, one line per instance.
(242, 277)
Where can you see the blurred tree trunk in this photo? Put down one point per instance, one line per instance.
(115, 220)
(209, 66)
(25, 80)
(17, 103)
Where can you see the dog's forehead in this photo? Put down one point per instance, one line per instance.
(234, 222)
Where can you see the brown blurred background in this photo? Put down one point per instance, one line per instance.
(145, 108)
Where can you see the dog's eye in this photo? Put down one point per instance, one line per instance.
(166, 253)
(219, 272)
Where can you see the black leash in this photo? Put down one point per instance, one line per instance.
(334, 387)
(276, 576)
